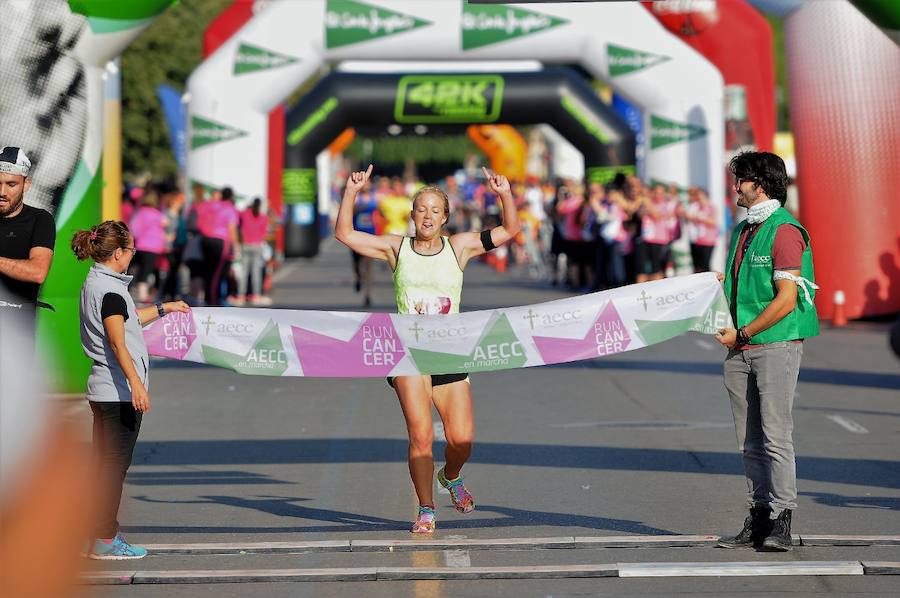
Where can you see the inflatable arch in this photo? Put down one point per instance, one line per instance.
(555, 96)
(843, 62)
(287, 43)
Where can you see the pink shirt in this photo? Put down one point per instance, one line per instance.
(698, 232)
(674, 224)
(148, 227)
(253, 228)
(571, 208)
(656, 230)
(216, 219)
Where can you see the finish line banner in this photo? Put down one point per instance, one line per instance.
(278, 342)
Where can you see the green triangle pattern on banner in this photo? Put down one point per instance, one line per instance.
(657, 331)
(205, 131)
(250, 59)
(483, 25)
(715, 317)
(666, 132)
(622, 61)
(351, 22)
(499, 348)
(267, 357)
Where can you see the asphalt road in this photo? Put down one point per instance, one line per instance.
(640, 443)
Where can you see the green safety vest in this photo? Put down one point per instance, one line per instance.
(756, 289)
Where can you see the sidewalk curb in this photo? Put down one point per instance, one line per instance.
(551, 543)
(625, 570)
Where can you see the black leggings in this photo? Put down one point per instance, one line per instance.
(146, 265)
(116, 428)
(215, 258)
(700, 256)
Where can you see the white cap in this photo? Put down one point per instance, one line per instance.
(14, 161)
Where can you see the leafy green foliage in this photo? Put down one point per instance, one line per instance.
(167, 52)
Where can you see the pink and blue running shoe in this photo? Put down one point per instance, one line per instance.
(424, 521)
(462, 499)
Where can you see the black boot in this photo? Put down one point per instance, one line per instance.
(756, 528)
(779, 538)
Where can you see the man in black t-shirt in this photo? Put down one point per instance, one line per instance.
(27, 237)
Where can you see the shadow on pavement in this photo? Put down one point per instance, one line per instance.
(285, 506)
(198, 478)
(714, 368)
(807, 375)
(867, 472)
(891, 503)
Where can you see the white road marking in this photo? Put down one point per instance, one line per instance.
(847, 424)
(457, 558)
(739, 569)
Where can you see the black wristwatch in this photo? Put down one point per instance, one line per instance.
(742, 337)
(160, 310)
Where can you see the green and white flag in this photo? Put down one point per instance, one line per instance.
(484, 25)
(351, 22)
(250, 59)
(205, 131)
(276, 342)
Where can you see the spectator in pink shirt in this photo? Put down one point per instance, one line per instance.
(148, 226)
(577, 213)
(218, 223)
(254, 228)
(656, 232)
(702, 228)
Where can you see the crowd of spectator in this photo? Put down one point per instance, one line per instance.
(586, 238)
(209, 253)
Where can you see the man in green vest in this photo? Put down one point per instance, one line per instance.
(770, 286)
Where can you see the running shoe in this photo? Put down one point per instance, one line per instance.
(424, 521)
(462, 500)
(116, 549)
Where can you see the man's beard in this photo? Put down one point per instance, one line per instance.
(744, 200)
(12, 205)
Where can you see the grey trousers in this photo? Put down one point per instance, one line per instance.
(761, 384)
(252, 260)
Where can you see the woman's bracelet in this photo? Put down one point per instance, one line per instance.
(160, 310)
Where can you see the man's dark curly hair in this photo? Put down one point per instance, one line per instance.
(765, 169)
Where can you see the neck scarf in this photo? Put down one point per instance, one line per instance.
(761, 211)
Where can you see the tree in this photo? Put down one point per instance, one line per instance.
(167, 52)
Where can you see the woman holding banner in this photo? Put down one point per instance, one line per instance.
(428, 275)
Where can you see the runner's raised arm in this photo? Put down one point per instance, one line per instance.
(472, 244)
(381, 247)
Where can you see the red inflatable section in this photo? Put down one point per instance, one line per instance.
(732, 35)
(220, 31)
(844, 81)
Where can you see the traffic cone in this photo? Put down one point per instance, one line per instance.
(502, 259)
(838, 318)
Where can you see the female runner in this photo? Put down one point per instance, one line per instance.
(428, 277)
